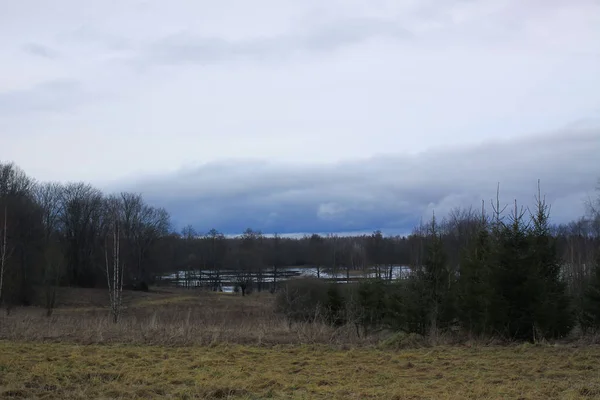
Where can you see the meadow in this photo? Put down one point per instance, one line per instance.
(182, 344)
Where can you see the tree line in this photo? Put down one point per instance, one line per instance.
(505, 271)
(508, 274)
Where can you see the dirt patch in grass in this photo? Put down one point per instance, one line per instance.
(61, 370)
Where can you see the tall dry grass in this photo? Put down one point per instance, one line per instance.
(172, 318)
(179, 317)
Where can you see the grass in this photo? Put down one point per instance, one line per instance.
(169, 317)
(186, 344)
(60, 370)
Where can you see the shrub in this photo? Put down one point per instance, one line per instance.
(303, 299)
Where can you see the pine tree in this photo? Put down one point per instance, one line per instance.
(513, 299)
(474, 290)
(552, 314)
(591, 314)
(371, 303)
(435, 278)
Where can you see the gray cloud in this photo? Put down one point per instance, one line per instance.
(184, 47)
(40, 50)
(60, 95)
(90, 36)
(390, 193)
(48, 96)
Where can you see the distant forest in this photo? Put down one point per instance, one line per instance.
(494, 267)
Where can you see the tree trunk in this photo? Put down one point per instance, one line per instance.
(3, 256)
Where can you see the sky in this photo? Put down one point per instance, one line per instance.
(306, 116)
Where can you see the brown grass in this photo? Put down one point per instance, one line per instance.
(68, 371)
(187, 344)
(169, 317)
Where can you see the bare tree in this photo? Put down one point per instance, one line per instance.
(276, 260)
(81, 223)
(216, 249)
(317, 250)
(141, 228)
(375, 248)
(114, 267)
(48, 197)
(5, 251)
(17, 270)
(334, 241)
(356, 257)
(189, 235)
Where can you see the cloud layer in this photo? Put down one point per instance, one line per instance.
(389, 193)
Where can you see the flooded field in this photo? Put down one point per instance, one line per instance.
(226, 280)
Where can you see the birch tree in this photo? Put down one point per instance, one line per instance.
(114, 267)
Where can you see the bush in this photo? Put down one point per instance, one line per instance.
(335, 308)
(303, 299)
(368, 303)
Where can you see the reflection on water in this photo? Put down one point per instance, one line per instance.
(228, 277)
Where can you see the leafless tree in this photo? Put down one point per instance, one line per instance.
(216, 247)
(5, 250)
(189, 234)
(18, 216)
(334, 243)
(81, 222)
(316, 249)
(114, 267)
(142, 227)
(48, 197)
(276, 260)
(376, 251)
(356, 257)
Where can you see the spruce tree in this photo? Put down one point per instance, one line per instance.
(335, 305)
(591, 314)
(552, 313)
(474, 290)
(435, 278)
(512, 276)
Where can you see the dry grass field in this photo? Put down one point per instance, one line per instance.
(183, 344)
(69, 371)
(169, 317)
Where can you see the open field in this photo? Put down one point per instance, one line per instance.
(169, 317)
(60, 370)
(177, 343)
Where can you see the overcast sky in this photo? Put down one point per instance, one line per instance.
(297, 116)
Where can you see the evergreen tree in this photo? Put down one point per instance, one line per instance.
(436, 280)
(513, 299)
(552, 313)
(407, 307)
(335, 305)
(591, 313)
(474, 290)
(371, 303)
